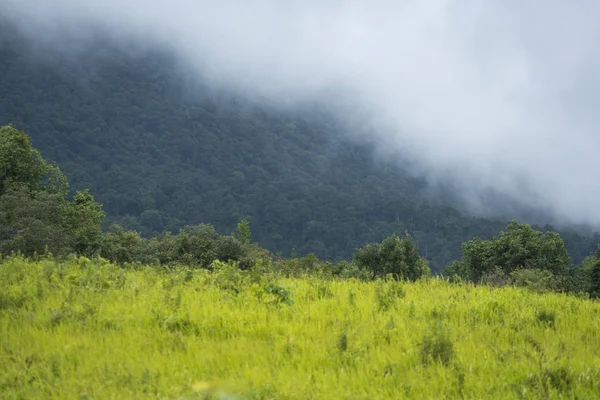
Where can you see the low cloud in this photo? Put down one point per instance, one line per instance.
(498, 95)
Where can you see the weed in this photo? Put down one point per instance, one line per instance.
(437, 345)
(387, 292)
(342, 341)
(546, 317)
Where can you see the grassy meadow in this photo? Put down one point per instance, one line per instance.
(82, 329)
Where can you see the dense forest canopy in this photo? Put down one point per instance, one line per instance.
(160, 152)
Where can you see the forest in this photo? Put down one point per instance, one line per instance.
(161, 151)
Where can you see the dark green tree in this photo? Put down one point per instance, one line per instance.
(394, 255)
(518, 247)
(21, 164)
(84, 223)
(243, 233)
(32, 222)
(590, 270)
(35, 214)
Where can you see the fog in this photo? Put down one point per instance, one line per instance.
(495, 95)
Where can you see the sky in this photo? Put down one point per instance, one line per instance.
(498, 95)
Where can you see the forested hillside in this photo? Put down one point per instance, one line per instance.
(160, 152)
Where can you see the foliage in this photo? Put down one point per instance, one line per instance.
(23, 165)
(194, 246)
(590, 276)
(538, 280)
(518, 247)
(395, 256)
(437, 345)
(122, 247)
(32, 222)
(243, 233)
(35, 214)
(84, 223)
(86, 328)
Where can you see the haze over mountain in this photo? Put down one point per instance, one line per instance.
(496, 95)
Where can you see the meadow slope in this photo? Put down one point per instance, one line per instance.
(90, 330)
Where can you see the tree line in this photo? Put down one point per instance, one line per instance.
(37, 216)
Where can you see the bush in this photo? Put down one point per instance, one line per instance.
(393, 255)
(592, 273)
(437, 345)
(120, 247)
(455, 271)
(352, 270)
(535, 279)
(496, 277)
(519, 247)
(387, 292)
(546, 317)
(229, 277)
(194, 246)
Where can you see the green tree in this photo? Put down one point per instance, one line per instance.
(394, 255)
(22, 164)
(35, 214)
(590, 271)
(518, 247)
(243, 233)
(32, 222)
(121, 246)
(84, 223)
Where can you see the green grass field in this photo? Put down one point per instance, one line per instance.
(83, 330)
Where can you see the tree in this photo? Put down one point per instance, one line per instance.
(519, 247)
(393, 256)
(32, 222)
(243, 233)
(21, 164)
(35, 214)
(84, 223)
(590, 270)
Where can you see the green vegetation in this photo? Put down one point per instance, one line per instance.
(84, 328)
(38, 218)
(395, 256)
(160, 152)
(35, 214)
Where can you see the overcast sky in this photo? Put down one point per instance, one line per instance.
(500, 94)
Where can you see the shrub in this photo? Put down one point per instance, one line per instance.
(519, 247)
(546, 317)
(437, 345)
(535, 279)
(496, 277)
(279, 294)
(352, 270)
(387, 292)
(228, 276)
(393, 255)
(592, 277)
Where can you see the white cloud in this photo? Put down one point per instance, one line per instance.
(498, 94)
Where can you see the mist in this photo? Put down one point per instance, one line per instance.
(497, 96)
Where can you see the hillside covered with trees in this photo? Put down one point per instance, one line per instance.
(161, 152)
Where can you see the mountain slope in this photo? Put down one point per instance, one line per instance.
(160, 151)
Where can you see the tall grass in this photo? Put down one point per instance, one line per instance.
(84, 329)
